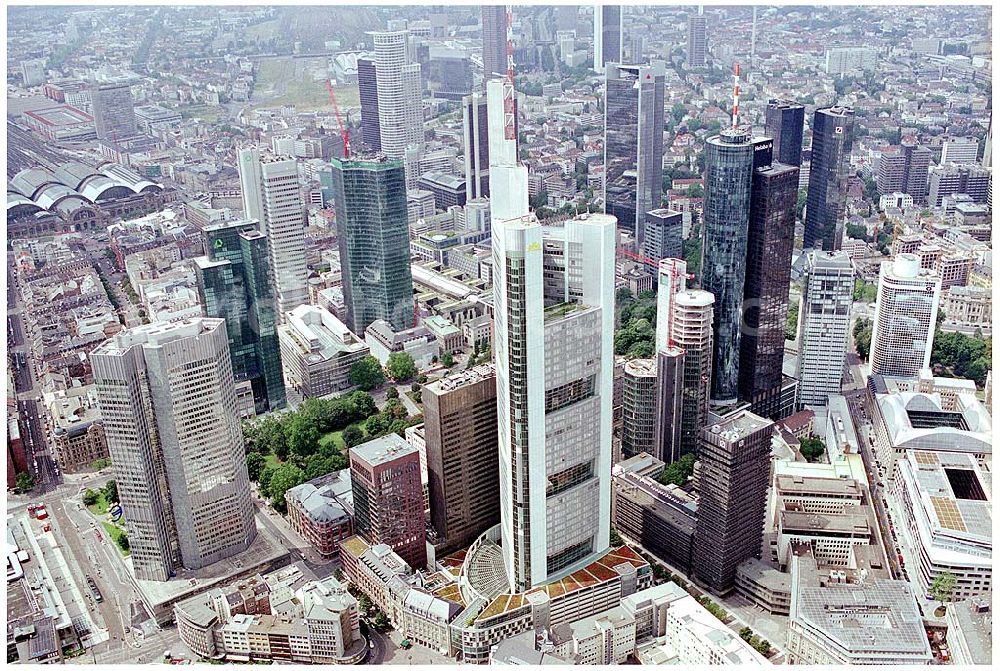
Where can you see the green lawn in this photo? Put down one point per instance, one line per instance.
(102, 505)
(114, 532)
(337, 438)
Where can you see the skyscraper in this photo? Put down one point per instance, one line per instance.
(368, 94)
(400, 107)
(663, 234)
(735, 464)
(168, 400)
(784, 122)
(234, 283)
(633, 146)
(476, 145)
(389, 497)
(463, 477)
(903, 169)
(697, 44)
(770, 234)
(114, 111)
(271, 195)
(833, 137)
(824, 325)
(370, 201)
(607, 35)
(494, 19)
(729, 159)
(692, 328)
(669, 407)
(905, 316)
(639, 408)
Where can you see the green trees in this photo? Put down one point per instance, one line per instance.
(759, 644)
(962, 356)
(864, 291)
(111, 491)
(255, 464)
(692, 253)
(678, 472)
(90, 497)
(401, 367)
(303, 435)
(615, 538)
(812, 448)
(284, 478)
(352, 436)
(863, 337)
(792, 322)
(122, 542)
(942, 587)
(636, 315)
(366, 374)
(447, 360)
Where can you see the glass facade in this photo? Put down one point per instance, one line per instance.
(633, 150)
(784, 124)
(234, 284)
(833, 136)
(374, 240)
(728, 174)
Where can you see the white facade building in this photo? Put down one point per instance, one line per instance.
(824, 324)
(905, 313)
(959, 150)
(400, 108)
(844, 60)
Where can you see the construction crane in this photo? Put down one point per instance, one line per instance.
(340, 122)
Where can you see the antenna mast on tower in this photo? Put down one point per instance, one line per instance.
(736, 93)
(509, 131)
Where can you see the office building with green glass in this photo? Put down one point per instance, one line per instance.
(234, 283)
(374, 238)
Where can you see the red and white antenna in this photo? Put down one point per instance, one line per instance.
(736, 94)
(509, 131)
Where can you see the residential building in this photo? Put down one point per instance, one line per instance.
(234, 283)
(906, 310)
(317, 351)
(633, 146)
(734, 461)
(114, 111)
(271, 196)
(784, 124)
(826, 198)
(460, 433)
(824, 326)
(729, 165)
(168, 401)
(770, 234)
(322, 511)
(607, 35)
(389, 496)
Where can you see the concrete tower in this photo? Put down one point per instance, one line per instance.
(905, 315)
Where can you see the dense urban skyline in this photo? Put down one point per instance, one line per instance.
(499, 334)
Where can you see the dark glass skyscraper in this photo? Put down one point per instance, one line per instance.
(607, 35)
(234, 283)
(833, 136)
(784, 122)
(374, 240)
(728, 174)
(368, 94)
(770, 233)
(697, 45)
(633, 146)
(494, 41)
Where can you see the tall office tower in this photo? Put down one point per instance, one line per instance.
(271, 195)
(784, 123)
(770, 234)
(697, 46)
(607, 35)
(494, 41)
(959, 150)
(947, 180)
(114, 111)
(735, 464)
(168, 400)
(729, 158)
(663, 236)
(917, 163)
(906, 310)
(234, 283)
(400, 106)
(476, 145)
(554, 319)
(669, 407)
(988, 146)
(824, 325)
(833, 137)
(370, 201)
(638, 408)
(389, 497)
(633, 146)
(463, 472)
(638, 47)
(368, 93)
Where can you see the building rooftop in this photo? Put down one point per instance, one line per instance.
(852, 521)
(739, 425)
(157, 334)
(954, 490)
(318, 333)
(972, 622)
(325, 499)
(807, 484)
(383, 450)
(458, 379)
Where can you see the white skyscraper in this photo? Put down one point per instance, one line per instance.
(905, 315)
(554, 319)
(168, 400)
(400, 109)
(271, 195)
(824, 322)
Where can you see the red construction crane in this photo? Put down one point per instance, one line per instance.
(340, 122)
